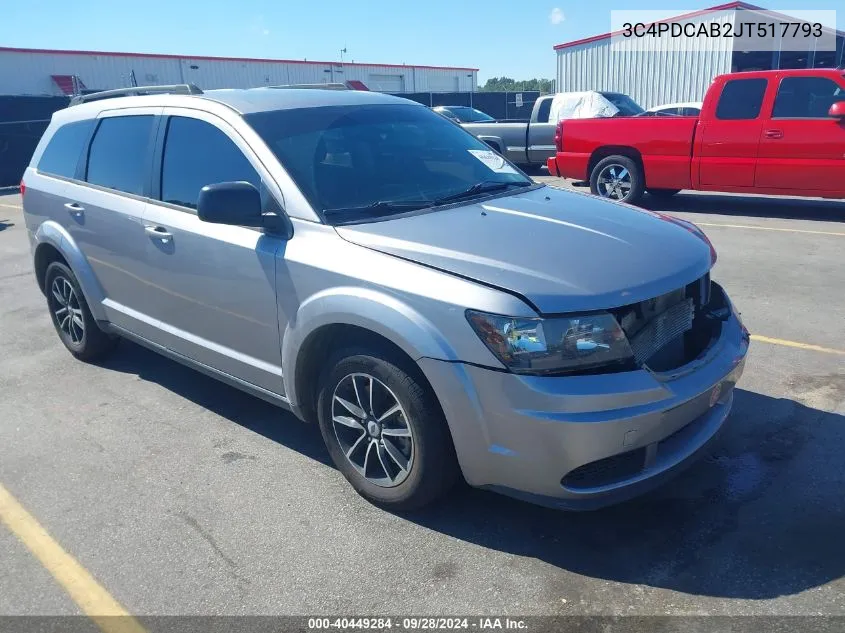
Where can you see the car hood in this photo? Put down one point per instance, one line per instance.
(562, 251)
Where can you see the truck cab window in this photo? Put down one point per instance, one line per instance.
(543, 111)
(741, 99)
(806, 98)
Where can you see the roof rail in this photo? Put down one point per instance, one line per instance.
(176, 89)
(326, 86)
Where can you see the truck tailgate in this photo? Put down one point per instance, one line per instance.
(664, 143)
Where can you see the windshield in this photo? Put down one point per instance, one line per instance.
(385, 158)
(626, 105)
(469, 115)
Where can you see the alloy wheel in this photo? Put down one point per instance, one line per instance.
(614, 181)
(67, 310)
(372, 429)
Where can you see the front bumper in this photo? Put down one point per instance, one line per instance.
(582, 442)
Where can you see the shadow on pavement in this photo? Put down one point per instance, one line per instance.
(9, 191)
(248, 411)
(751, 206)
(5, 224)
(762, 515)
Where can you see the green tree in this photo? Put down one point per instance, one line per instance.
(506, 84)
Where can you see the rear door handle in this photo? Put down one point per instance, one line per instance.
(159, 233)
(774, 133)
(75, 208)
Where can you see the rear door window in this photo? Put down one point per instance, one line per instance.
(741, 99)
(544, 110)
(806, 98)
(62, 153)
(119, 153)
(197, 154)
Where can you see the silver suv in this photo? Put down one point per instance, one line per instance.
(362, 261)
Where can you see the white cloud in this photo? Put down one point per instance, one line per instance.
(556, 16)
(266, 32)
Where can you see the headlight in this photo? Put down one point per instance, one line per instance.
(556, 345)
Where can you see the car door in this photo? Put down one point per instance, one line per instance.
(801, 147)
(104, 213)
(729, 137)
(541, 134)
(215, 291)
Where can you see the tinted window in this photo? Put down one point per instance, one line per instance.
(543, 112)
(354, 156)
(626, 105)
(119, 153)
(197, 154)
(806, 97)
(690, 111)
(62, 153)
(741, 99)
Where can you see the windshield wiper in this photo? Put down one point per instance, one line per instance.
(380, 207)
(485, 186)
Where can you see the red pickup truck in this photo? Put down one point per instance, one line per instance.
(778, 132)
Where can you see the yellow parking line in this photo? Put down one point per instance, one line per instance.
(807, 346)
(85, 591)
(10, 206)
(770, 228)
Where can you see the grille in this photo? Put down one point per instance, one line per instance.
(609, 470)
(662, 329)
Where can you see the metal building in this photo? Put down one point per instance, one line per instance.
(54, 72)
(672, 70)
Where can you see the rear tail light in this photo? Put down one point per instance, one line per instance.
(23, 188)
(559, 136)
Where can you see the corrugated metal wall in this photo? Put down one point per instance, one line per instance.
(663, 75)
(29, 73)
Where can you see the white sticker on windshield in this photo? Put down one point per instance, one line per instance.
(492, 160)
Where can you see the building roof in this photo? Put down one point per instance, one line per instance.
(49, 51)
(720, 7)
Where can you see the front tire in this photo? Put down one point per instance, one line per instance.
(74, 323)
(618, 178)
(384, 429)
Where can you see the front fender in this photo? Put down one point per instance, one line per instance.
(372, 310)
(54, 234)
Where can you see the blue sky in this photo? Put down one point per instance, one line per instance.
(497, 36)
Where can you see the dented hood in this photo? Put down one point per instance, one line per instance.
(562, 251)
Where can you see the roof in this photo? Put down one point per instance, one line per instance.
(49, 51)
(250, 100)
(721, 7)
(242, 101)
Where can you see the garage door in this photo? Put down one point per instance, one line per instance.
(386, 83)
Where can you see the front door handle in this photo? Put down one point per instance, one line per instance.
(159, 233)
(774, 133)
(75, 208)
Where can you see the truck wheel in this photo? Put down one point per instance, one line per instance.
(384, 429)
(618, 178)
(662, 193)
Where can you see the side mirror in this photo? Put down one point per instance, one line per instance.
(237, 203)
(837, 110)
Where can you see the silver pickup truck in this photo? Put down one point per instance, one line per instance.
(530, 143)
(525, 143)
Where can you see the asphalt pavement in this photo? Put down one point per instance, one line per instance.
(181, 495)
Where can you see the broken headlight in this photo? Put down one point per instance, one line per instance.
(555, 345)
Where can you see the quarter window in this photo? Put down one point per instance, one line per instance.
(119, 153)
(806, 98)
(741, 99)
(197, 154)
(62, 153)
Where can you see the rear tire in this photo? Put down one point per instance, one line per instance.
(401, 460)
(74, 323)
(618, 178)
